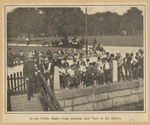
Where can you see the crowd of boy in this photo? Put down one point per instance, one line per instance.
(81, 73)
(84, 73)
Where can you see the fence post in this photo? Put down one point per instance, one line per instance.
(15, 81)
(11, 81)
(8, 83)
(115, 71)
(56, 78)
(21, 79)
(24, 84)
(18, 79)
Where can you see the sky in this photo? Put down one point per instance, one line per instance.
(119, 9)
(94, 9)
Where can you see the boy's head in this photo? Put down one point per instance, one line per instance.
(98, 58)
(112, 56)
(107, 54)
(137, 53)
(74, 60)
(71, 66)
(87, 60)
(90, 64)
(131, 54)
(141, 51)
(127, 54)
(65, 59)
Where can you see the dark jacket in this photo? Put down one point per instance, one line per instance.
(29, 70)
(40, 67)
(65, 64)
(78, 63)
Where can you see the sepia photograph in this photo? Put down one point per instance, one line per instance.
(75, 58)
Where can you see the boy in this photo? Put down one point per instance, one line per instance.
(61, 76)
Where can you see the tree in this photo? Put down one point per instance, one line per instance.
(132, 21)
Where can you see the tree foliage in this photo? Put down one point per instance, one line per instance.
(71, 21)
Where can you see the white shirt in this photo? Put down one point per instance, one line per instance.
(49, 66)
(134, 61)
(100, 64)
(44, 68)
(82, 68)
(61, 71)
(71, 72)
(107, 66)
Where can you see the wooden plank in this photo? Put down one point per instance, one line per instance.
(11, 81)
(8, 83)
(18, 80)
(28, 109)
(24, 88)
(12, 93)
(20, 100)
(21, 80)
(15, 81)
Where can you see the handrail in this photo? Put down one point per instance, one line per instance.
(51, 94)
(47, 96)
(48, 103)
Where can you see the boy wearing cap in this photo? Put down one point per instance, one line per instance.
(128, 67)
(80, 60)
(87, 62)
(71, 75)
(137, 57)
(65, 63)
(88, 75)
(120, 66)
(83, 71)
(100, 77)
(61, 76)
(39, 79)
(141, 65)
(77, 76)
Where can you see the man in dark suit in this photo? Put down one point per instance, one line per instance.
(39, 79)
(29, 74)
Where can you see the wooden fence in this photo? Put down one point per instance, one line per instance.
(16, 82)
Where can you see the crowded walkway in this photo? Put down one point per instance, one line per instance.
(78, 70)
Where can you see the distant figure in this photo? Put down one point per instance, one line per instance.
(94, 43)
(44, 42)
(28, 41)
